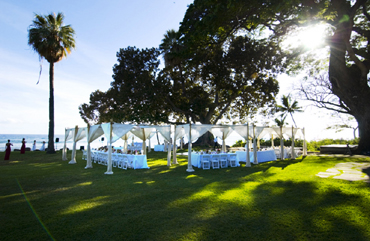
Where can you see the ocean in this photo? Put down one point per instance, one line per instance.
(16, 140)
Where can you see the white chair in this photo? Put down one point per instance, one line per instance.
(84, 155)
(232, 160)
(223, 161)
(215, 160)
(206, 161)
(131, 162)
(123, 162)
(115, 159)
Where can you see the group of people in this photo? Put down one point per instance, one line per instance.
(23, 148)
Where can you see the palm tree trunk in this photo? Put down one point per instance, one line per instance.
(51, 149)
(293, 120)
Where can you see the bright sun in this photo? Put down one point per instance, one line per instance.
(310, 37)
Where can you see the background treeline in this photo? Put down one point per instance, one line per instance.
(311, 145)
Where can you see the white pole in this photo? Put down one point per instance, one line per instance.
(281, 144)
(272, 141)
(109, 164)
(73, 158)
(168, 151)
(255, 160)
(304, 143)
(190, 167)
(88, 149)
(248, 160)
(293, 154)
(64, 154)
(174, 149)
(143, 146)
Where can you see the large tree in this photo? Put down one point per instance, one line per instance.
(348, 39)
(218, 85)
(52, 40)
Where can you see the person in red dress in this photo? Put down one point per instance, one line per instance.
(23, 148)
(8, 150)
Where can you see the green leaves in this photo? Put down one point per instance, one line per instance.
(50, 38)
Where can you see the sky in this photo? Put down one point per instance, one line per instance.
(102, 28)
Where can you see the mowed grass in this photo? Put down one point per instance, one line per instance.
(45, 198)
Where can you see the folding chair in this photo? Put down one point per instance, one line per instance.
(215, 160)
(206, 160)
(223, 161)
(232, 160)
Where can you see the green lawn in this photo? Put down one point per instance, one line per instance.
(44, 198)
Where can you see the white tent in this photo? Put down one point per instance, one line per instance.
(116, 131)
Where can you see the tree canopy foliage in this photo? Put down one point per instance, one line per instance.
(209, 22)
(231, 81)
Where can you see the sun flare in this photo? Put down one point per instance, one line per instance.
(310, 37)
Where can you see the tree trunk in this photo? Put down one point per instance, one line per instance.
(51, 149)
(349, 85)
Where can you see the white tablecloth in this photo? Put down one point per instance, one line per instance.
(140, 161)
(262, 156)
(159, 148)
(196, 159)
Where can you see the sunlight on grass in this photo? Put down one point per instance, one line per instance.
(164, 171)
(193, 176)
(138, 182)
(12, 162)
(86, 205)
(243, 193)
(16, 194)
(44, 165)
(150, 182)
(83, 184)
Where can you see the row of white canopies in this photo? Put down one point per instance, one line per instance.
(172, 133)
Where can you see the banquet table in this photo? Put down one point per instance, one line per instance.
(139, 160)
(196, 159)
(159, 148)
(262, 156)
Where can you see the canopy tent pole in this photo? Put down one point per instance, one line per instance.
(168, 151)
(64, 153)
(223, 142)
(304, 143)
(255, 160)
(281, 144)
(248, 162)
(174, 149)
(272, 141)
(143, 146)
(73, 158)
(109, 164)
(190, 167)
(88, 149)
(149, 149)
(293, 154)
(258, 144)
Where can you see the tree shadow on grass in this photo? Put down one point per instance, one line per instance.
(164, 203)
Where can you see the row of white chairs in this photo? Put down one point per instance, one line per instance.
(217, 161)
(118, 160)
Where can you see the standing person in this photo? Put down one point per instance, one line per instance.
(8, 150)
(34, 146)
(215, 144)
(23, 148)
(43, 146)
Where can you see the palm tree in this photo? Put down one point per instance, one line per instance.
(281, 122)
(51, 40)
(170, 48)
(289, 107)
